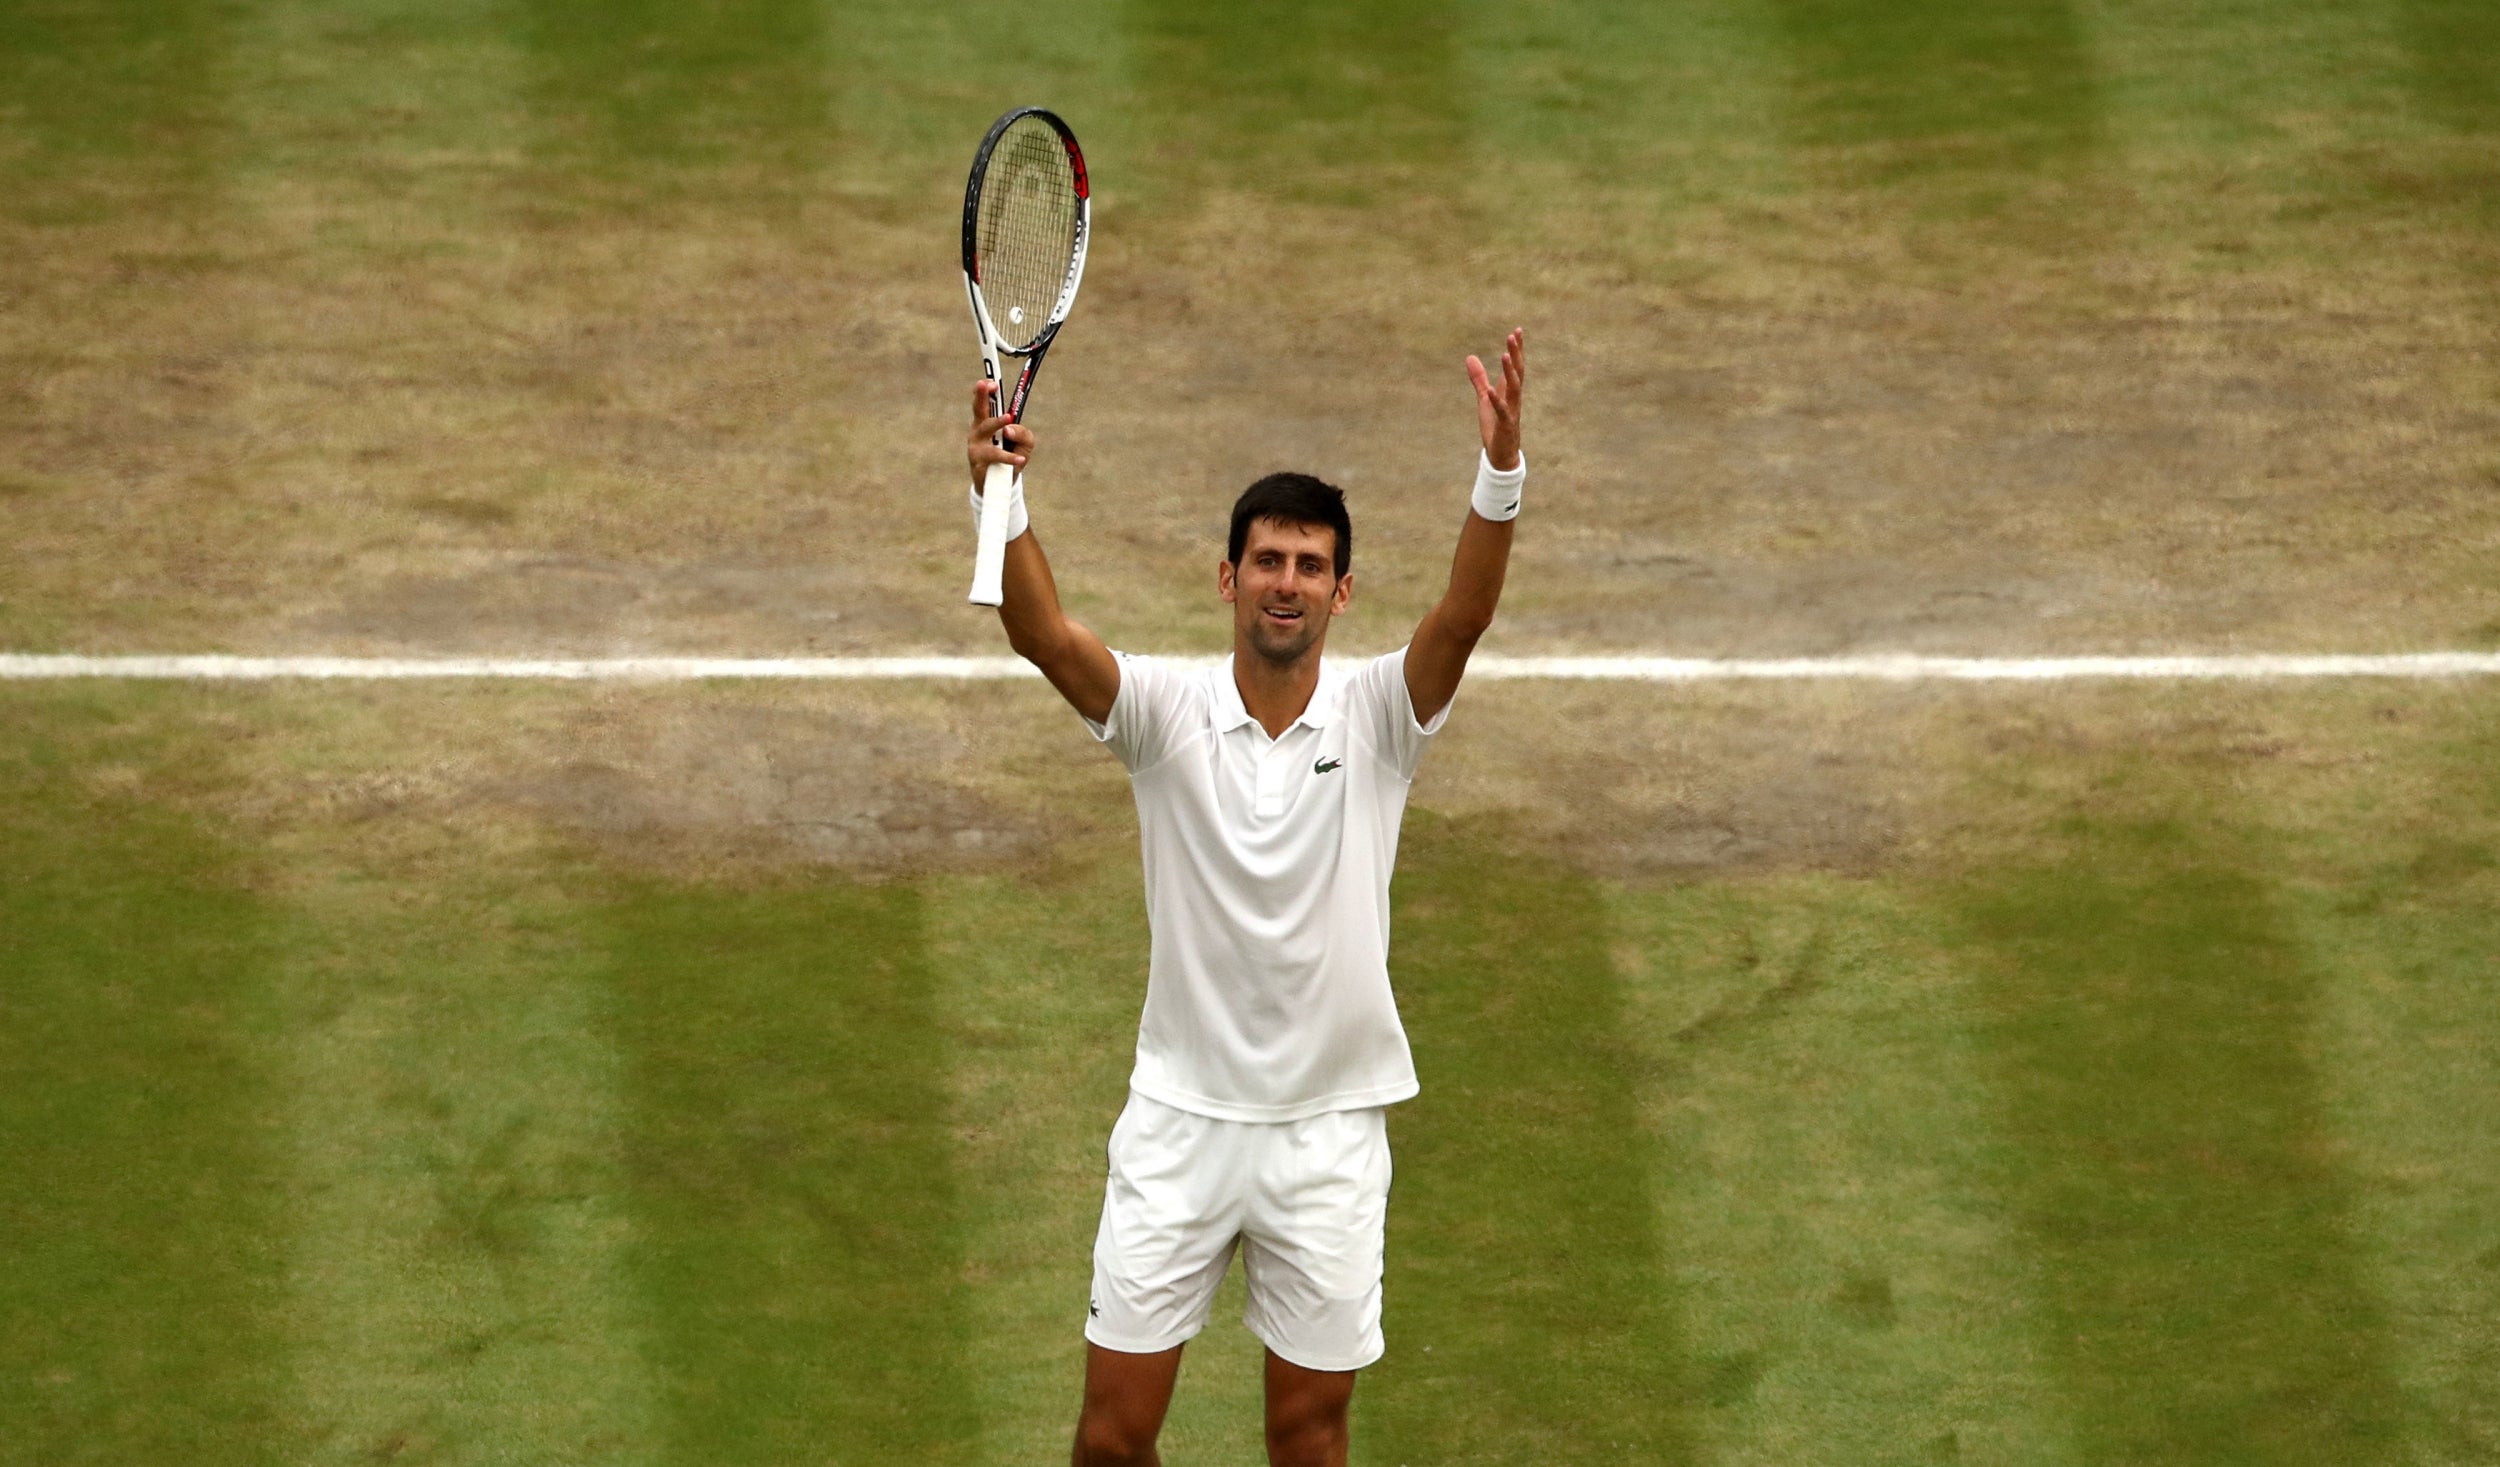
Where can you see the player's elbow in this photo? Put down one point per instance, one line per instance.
(1044, 643)
(1032, 644)
(1466, 625)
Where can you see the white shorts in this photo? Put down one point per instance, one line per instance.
(1306, 1200)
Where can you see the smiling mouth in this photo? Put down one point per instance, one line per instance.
(1281, 613)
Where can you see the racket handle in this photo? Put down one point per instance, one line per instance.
(989, 554)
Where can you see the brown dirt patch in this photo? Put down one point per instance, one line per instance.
(1629, 782)
(501, 429)
(874, 782)
(1633, 781)
(858, 788)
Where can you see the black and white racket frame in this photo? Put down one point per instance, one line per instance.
(990, 553)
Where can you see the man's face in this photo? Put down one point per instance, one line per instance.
(1285, 589)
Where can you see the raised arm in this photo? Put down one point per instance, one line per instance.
(1437, 658)
(1072, 657)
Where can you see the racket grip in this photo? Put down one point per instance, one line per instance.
(989, 553)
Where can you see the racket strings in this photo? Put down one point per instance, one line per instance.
(1026, 235)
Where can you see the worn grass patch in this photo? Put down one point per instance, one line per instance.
(515, 327)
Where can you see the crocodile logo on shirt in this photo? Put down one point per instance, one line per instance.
(1323, 766)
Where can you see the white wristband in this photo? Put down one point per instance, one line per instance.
(1017, 520)
(1497, 490)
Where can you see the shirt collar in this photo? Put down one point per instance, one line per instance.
(1231, 713)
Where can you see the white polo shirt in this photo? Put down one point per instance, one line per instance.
(1267, 887)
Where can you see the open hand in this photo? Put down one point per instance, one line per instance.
(981, 448)
(1497, 405)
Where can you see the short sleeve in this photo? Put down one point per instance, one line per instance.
(1384, 713)
(1149, 715)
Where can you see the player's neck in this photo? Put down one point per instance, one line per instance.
(1276, 693)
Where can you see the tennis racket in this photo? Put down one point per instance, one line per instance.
(1026, 209)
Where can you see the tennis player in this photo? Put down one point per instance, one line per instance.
(1269, 792)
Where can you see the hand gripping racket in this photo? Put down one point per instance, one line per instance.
(1025, 214)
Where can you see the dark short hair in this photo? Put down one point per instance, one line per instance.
(1293, 499)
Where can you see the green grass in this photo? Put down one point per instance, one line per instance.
(2149, 1027)
(2135, 1108)
(1847, 1288)
(140, 1217)
(2144, 1121)
(791, 1173)
(1305, 100)
(459, 1224)
(2008, 86)
(656, 99)
(1527, 1278)
(2455, 50)
(106, 108)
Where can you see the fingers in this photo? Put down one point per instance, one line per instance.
(1494, 406)
(989, 424)
(990, 430)
(1497, 408)
(1514, 374)
(989, 457)
(1018, 442)
(1514, 379)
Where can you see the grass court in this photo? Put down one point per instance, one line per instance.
(1812, 1073)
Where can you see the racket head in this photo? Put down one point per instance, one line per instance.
(1027, 212)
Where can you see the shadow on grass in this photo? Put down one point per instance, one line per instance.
(139, 1245)
(2149, 1029)
(791, 1165)
(1527, 1310)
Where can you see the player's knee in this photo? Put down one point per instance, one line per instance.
(1310, 1436)
(1103, 1439)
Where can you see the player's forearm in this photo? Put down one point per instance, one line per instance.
(1437, 658)
(1030, 611)
(1483, 558)
(1476, 575)
(1040, 632)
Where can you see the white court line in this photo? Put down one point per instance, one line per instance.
(1878, 668)
(209, 668)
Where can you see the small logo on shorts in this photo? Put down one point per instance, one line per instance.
(1093, 1309)
(1323, 766)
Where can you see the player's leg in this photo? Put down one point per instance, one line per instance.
(1311, 1253)
(1170, 1219)
(1125, 1398)
(1306, 1414)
